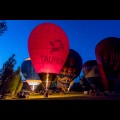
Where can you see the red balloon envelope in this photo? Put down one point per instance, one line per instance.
(48, 48)
(108, 58)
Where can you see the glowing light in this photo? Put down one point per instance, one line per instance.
(33, 82)
(47, 81)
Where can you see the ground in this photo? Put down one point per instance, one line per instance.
(70, 96)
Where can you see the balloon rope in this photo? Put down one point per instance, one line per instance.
(47, 81)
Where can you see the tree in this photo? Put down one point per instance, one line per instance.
(19, 86)
(3, 26)
(13, 83)
(7, 73)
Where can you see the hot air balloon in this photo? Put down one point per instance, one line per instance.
(30, 74)
(69, 71)
(48, 48)
(107, 53)
(91, 73)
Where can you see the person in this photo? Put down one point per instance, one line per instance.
(46, 93)
(22, 93)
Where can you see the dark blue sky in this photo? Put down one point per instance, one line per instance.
(83, 36)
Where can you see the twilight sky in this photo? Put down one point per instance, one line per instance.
(83, 36)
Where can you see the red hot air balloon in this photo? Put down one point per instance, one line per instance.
(108, 58)
(48, 48)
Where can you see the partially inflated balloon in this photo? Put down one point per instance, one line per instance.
(30, 74)
(70, 70)
(108, 58)
(91, 73)
(48, 48)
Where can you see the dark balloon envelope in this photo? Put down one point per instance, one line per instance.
(108, 58)
(91, 73)
(48, 48)
(90, 69)
(30, 74)
(70, 70)
(28, 71)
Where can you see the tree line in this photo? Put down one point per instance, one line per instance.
(11, 80)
